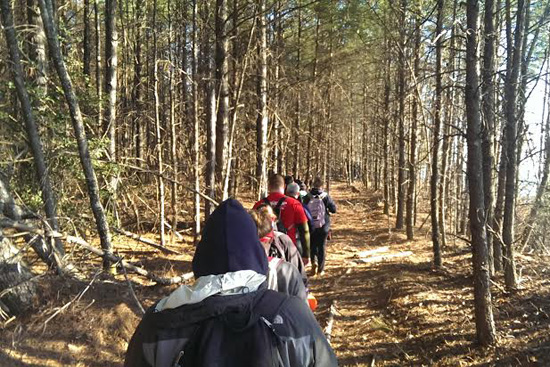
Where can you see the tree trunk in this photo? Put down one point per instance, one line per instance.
(98, 86)
(78, 126)
(111, 64)
(488, 128)
(16, 279)
(222, 80)
(434, 181)
(137, 89)
(86, 43)
(510, 93)
(485, 326)
(414, 120)
(196, 127)
(210, 115)
(295, 133)
(158, 133)
(31, 126)
(261, 119)
(37, 51)
(401, 183)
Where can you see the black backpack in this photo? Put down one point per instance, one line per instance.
(277, 211)
(249, 338)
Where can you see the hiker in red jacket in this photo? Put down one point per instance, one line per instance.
(291, 217)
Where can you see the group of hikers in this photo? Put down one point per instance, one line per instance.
(249, 303)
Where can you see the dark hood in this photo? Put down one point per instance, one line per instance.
(229, 243)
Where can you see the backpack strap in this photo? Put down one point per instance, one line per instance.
(265, 200)
(277, 245)
(277, 208)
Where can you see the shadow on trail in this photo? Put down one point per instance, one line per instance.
(402, 299)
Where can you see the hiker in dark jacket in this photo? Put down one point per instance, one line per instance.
(320, 205)
(282, 275)
(229, 317)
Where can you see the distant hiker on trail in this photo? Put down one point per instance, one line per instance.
(281, 245)
(292, 219)
(282, 275)
(320, 205)
(228, 317)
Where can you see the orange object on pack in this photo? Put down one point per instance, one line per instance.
(312, 301)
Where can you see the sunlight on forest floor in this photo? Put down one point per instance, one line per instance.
(391, 304)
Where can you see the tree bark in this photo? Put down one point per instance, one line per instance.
(210, 115)
(414, 121)
(196, 127)
(78, 126)
(16, 280)
(434, 181)
(488, 128)
(262, 118)
(31, 127)
(222, 80)
(510, 94)
(485, 327)
(99, 86)
(158, 133)
(401, 183)
(86, 42)
(111, 64)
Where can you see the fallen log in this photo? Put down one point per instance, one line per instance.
(364, 254)
(145, 241)
(330, 321)
(8, 223)
(374, 259)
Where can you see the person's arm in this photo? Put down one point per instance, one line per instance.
(303, 231)
(330, 204)
(289, 280)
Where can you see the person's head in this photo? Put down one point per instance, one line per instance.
(317, 183)
(293, 190)
(276, 183)
(288, 179)
(229, 243)
(303, 187)
(263, 216)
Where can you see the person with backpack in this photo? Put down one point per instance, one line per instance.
(282, 275)
(280, 245)
(320, 205)
(228, 317)
(291, 218)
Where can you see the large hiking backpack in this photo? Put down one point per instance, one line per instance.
(277, 211)
(318, 210)
(248, 340)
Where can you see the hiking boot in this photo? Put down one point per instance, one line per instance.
(313, 269)
(321, 273)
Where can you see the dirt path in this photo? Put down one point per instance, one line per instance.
(391, 306)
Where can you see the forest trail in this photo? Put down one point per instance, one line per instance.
(389, 304)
